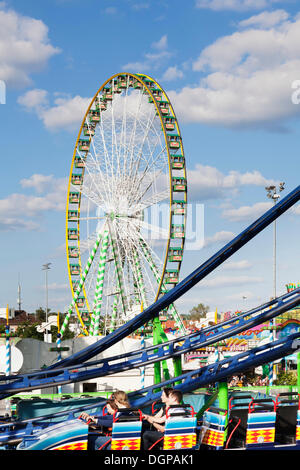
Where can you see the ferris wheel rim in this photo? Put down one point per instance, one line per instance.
(140, 78)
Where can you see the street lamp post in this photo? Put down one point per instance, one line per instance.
(273, 192)
(274, 195)
(46, 268)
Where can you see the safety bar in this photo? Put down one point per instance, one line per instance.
(263, 404)
(132, 417)
(239, 397)
(215, 409)
(181, 406)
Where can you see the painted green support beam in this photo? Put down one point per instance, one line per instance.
(95, 320)
(119, 285)
(80, 285)
(223, 400)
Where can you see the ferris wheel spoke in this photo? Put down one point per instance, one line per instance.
(109, 170)
(149, 160)
(156, 230)
(135, 162)
(151, 201)
(132, 136)
(131, 249)
(147, 178)
(95, 180)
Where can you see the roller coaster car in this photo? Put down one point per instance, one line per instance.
(69, 435)
(287, 427)
(212, 432)
(261, 424)
(180, 429)
(237, 421)
(265, 423)
(126, 430)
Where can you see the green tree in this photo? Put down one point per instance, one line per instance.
(28, 330)
(286, 378)
(68, 334)
(40, 314)
(199, 311)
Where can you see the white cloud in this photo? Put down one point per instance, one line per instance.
(54, 286)
(224, 281)
(207, 182)
(266, 19)
(111, 10)
(219, 237)
(172, 73)
(137, 67)
(12, 224)
(140, 6)
(23, 205)
(24, 47)
(241, 296)
(295, 209)
(247, 213)
(152, 60)
(17, 210)
(34, 99)
(161, 44)
(39, 182)
(66, 113)
(237, 265)
(238, 5)
(246, 79)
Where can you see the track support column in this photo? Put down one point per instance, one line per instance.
(223, 399)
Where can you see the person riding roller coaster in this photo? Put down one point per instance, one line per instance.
(118, 401)
(169, 397)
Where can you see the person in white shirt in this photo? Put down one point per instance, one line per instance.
(169, 397)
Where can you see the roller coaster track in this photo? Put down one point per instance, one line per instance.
(217, 372)
(152, 354)
(181, 288)
(64, 373)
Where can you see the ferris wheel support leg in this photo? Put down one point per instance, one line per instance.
(140, 280)
(160, 332)
(95, 320)
(119, 284)
(142, 290)
(172, 308)
(159, 337)
(113, 321)
(157, 365)
(80, 285)
(176, 361)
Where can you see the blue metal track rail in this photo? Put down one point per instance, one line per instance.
(152, 354)
(196, 276)
(190, 381)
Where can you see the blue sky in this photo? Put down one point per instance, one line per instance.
(228, 67)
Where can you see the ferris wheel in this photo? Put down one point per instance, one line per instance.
(126, 204)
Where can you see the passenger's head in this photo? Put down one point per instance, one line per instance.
(165, 394)
(111, 406)
(121, 399)
(175, 397)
